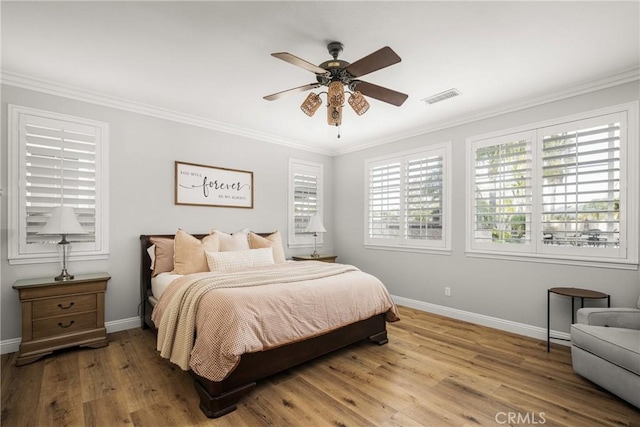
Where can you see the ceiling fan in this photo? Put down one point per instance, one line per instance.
(335, 74)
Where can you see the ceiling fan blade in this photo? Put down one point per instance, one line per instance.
(377, 60)
(292, 59)
(279, 95)
(381, 93)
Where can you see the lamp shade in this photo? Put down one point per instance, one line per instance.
(315, 225)
(63, 221)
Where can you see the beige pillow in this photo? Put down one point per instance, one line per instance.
(273, 240)
(163, 261)
(237, 241)
(239, 260)
(189, 252)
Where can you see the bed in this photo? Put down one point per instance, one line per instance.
(219, 397)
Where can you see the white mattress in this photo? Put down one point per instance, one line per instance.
(160, 283)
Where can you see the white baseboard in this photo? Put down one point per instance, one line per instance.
(481, 319)
(12, 345)
(123, 324)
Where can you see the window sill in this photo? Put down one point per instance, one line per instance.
(620, 264)
(418, 249)
(47, 259)
(303, 245)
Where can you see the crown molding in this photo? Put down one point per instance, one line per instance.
(65, 91)
(52, 88)
(627, 76)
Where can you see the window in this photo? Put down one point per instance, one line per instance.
(408, 199)
(305, 200)
(56, 160)
(565, 189)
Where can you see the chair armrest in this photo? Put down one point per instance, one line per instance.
(628, 318)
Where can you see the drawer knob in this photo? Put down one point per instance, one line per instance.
(65, 326)
(67, 307)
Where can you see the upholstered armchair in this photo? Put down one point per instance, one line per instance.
(605, 349)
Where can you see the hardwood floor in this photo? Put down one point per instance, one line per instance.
(434, 371)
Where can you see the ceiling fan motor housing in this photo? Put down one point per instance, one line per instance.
(335, 67)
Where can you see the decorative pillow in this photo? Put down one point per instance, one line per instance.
(163, 255)
(237, 241)
(189, 252)
(273, 240)
(238, 260)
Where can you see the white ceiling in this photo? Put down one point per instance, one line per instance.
(210, 63)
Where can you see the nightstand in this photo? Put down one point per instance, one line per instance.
(61, 314)
(322, 257)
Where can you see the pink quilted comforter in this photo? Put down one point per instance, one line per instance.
(206, 321)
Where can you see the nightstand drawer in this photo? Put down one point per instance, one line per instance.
(64, 305)
(64, 324)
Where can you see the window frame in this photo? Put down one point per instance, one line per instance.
(442, 246)
(626, 255)
(16, 239)
(312, 168)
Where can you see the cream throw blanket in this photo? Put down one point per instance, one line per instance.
(176, 332)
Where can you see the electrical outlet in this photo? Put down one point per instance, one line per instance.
(447, 291)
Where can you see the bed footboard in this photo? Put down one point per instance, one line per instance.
(220, 398)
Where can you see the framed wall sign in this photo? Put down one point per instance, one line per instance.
(202, 185)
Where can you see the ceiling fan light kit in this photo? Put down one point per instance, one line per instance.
(358, 103)
(311, 104)
(335, 101)
(335, 74)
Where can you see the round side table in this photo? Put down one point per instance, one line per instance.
(573, 293)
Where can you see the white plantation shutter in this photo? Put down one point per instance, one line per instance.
(502, 195)
(581, 182)
(424, 183)
(59, 161)
(407, 202)
(305, 200)
(384, 201)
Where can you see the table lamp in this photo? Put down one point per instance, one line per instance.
(63, 221)
(315, 226)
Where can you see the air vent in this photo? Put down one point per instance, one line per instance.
(442, 96)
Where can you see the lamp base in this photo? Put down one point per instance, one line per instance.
(315, 255)
(63, 276)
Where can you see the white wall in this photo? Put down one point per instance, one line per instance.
(142, 154)
(507, 290)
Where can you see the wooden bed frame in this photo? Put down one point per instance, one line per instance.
(218, 398)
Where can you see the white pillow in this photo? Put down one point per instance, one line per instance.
(238, 260)
(238, 241)
(151, 250)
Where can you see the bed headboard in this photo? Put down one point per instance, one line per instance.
(145, 274)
